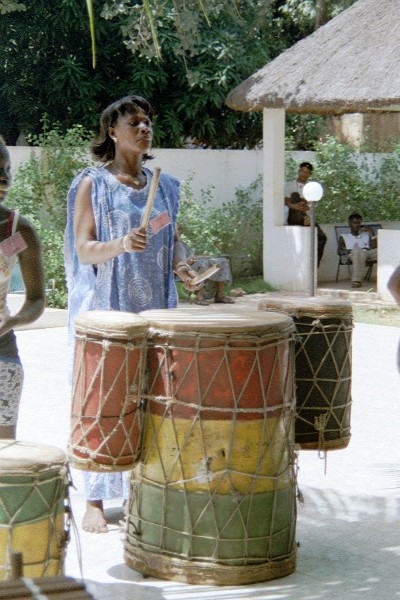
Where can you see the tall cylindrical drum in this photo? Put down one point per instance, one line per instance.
(33, 503)
(213, 499)
(109, 364)
(324, 328)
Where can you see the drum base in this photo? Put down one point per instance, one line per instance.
(338, 444)
(206, 573)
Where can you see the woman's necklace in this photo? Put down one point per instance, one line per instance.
(136, 180)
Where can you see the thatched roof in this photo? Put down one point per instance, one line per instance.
(349, 65)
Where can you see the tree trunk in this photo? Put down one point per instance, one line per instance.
(321, 10)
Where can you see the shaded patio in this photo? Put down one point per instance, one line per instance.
(348, 65)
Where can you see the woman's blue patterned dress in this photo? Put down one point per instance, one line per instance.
(131, 282)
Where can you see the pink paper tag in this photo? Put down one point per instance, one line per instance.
(13, 245)
(160, 222)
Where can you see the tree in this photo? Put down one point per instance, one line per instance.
(308, 15)
(46, 67)
(207, 48)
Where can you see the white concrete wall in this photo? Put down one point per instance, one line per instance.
(388, 259)
(286, 249)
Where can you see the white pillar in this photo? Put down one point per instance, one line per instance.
(286, 248)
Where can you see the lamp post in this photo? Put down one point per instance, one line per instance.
(312, 192)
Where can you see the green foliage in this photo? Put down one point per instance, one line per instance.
(207, 48)
(306, 14)
(254, 285)
(302, 132)
(39, 192)
(46, 67)
(368, 184)
(205, 53)
(235, 228)
(7, 6)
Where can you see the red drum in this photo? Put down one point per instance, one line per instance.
(322, 368)
(108, 379)
(213, 498)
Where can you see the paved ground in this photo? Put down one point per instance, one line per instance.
(348, 529)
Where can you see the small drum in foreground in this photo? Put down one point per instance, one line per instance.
(322, 368)
(213, 499)
(33, 496)
(106, 393)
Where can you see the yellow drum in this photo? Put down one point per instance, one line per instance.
(213, 499)
(33, 492)
(324, 328)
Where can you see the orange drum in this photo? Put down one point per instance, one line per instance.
(213, 498)
(324, 328)
(108, 378)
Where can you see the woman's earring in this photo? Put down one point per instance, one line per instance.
(114, 139)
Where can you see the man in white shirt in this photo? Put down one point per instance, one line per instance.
(360, 244)
(296, 206)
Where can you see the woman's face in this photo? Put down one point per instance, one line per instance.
(133, 133)
(5, 172)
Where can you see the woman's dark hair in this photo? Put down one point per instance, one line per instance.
(103, 147)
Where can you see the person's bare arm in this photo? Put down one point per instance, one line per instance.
(31, 265)
(301, 206)
(394, 284)
(181, 266)
(90, 250)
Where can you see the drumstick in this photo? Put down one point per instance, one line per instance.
(150, 199)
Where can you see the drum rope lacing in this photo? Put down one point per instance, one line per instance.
(41, 478)
(283, 463)
(125, 415)
(331, 333)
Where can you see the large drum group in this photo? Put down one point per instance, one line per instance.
(209, 410)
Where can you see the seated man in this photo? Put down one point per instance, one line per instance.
(360, 244)
(224, 275)
(296, 206)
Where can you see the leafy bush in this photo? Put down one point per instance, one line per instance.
(39, 192)
(365, 183)
(234, 229)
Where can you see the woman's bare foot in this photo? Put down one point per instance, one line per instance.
(93, 520)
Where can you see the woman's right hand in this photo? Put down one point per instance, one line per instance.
(135, 240)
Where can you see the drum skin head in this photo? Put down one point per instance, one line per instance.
(28, 455)
(231, 320)
(305, 305)
(110, 324)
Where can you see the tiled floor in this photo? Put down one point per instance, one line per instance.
(348, 530)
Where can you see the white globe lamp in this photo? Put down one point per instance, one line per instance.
(312, 192)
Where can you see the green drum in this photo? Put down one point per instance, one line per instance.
(213, 500)
(33, 491)
(324, 328)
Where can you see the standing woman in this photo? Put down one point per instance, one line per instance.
(18, 241)
(112, 263)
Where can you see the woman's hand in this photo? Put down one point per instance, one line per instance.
(135, 240)
(186, 274)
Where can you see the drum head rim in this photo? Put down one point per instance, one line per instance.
(224, 321)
